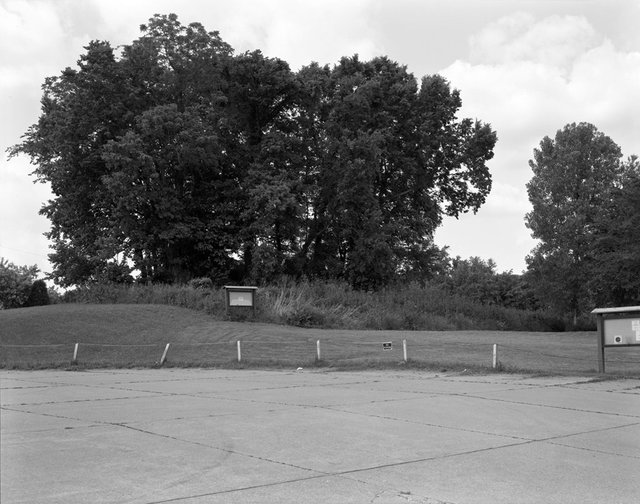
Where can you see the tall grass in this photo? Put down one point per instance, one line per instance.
(335, 305)
(207, 300)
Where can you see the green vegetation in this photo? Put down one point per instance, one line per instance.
(335, 305)
(177, 157)
(176, 161)
(112, 335)
(586, 214)
(19, 287)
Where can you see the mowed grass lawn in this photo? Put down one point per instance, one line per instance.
(122, 335)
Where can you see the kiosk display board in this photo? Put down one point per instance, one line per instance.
(617, 327)
(239, 297)
(624, 331)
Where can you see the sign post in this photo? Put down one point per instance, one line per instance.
(617, 327)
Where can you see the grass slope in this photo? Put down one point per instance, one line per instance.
(121, 335)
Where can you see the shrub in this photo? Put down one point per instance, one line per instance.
(38, 295)
(201, 283)
(15, 283)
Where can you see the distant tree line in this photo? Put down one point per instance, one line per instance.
(179, 159)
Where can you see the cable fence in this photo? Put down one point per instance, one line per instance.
(329, 351)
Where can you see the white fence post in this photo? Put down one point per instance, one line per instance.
(239, 352)
(318, 350)
(495, 356)
(164, 354)
(404, 349)
(75, 353)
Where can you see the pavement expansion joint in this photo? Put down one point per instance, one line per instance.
(72, 401)
(426, 424)
(550, 406)
(599, 452)
(582, 433)
(213, 447)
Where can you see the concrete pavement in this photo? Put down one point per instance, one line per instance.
(226, 436)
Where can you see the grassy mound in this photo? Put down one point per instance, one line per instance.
(121, 335)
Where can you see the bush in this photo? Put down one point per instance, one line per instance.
(201, 283)
(15, 283)
(38, 295)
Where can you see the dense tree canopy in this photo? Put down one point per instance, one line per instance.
(584, 210)
(178, 159)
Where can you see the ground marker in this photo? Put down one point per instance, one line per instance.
(164, 354)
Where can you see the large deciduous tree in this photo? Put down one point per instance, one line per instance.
(575, 178)
(180, 159)
(393, 160)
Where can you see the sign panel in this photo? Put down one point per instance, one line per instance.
(622, 331)
(387, 346)
(240, 298)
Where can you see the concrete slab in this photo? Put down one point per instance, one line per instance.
(16, 421)
(62, 393)
(623, 441)
(525, 474)
(213, 436)
(324, 440)
(626, 386)
(345, 490)
(335, 395)
(471, 414)
(114, 464)
(578, 399)
(143, 408)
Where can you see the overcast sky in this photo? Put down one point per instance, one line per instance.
(526, 67)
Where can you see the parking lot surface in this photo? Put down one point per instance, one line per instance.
(201, 436)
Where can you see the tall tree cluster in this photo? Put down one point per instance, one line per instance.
(586, 214)
(178, 159)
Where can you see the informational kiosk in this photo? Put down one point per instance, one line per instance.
(239, 297)
(617, 327)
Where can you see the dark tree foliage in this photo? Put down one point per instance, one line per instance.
(616, 246)
(38, 295)
(477, 280)
(585, 215)
(178, 159)
(15, 283)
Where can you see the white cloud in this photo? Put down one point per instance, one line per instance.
(507, 198)
(35, 40)
(555, 40)
(298, 32)
(528, 97)
(529, 78)
(347, 22)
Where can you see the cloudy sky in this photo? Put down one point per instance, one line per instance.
(527, 67)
